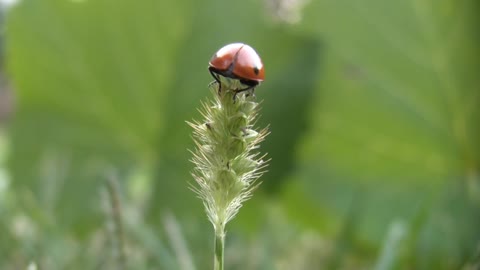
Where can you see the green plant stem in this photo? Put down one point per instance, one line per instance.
(116, 208)
(219, 247)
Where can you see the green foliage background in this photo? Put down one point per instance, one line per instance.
(373, 107)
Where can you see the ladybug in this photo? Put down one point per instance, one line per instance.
(240, 62)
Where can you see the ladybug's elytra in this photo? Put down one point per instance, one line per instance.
(237, 61)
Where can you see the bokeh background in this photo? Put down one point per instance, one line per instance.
(373, 107)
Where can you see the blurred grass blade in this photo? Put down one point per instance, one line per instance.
(392, 246)
(178, 243)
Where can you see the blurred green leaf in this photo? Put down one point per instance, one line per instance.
(91, 79)
(395, 123)
(388, 102)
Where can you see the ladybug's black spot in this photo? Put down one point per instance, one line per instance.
(256, 70)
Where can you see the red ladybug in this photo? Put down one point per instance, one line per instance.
(237, 61)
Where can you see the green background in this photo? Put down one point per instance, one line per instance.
(373, 108)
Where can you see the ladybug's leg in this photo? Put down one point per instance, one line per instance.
(235, 97)
(250, 87)
(250, 91)
(217, 79)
